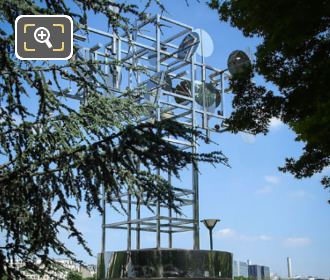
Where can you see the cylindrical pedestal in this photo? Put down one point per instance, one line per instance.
(164, 263)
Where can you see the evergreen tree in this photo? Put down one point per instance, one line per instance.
(54, 157)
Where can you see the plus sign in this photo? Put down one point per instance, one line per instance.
(42, 34)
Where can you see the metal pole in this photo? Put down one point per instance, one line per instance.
(196, 206)
(103, 222)
(129, 225)
(211, 239)
(222, 94)
(101, 268)
(118, 68)
(138, 216)
(170, 241)
(158, 226)
(158, 119)
(194, 165)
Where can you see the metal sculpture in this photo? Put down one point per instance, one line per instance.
(182, 86)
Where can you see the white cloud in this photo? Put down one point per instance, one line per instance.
(268, 188)
(265, 237)
(299, 193)
(297, 241)
(226, 232)
(231, 233)
(272, 179)
(275, 123)
(264, 190)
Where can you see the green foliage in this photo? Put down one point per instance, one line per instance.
(54, 157)
(295, 56)
(242, 278)
(73, 275)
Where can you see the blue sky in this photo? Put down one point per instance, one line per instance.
(266, 215)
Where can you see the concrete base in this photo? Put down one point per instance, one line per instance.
(165, 263)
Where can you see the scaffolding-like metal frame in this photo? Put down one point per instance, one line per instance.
(134, 50)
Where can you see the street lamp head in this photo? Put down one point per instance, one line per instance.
(210, 223)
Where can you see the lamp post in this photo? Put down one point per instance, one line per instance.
(210, 224)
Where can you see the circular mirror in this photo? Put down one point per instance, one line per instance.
(206, 46)
(212, 95)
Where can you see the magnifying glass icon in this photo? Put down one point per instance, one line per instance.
(41, 35)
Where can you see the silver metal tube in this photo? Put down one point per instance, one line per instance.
(175, 36)
(131, 222)
(158, 118)
(184, 63)
(196, 245)
(138, 232)
(103, 222)
(222, 94)
(170, 241)
(129, 225)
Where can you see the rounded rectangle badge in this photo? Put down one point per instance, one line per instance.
(43, 37)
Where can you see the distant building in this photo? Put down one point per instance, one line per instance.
(240, 269)
(235, 269)
(289, 263)
(265, 273)
(298, 277)
(59, 272)
(244, 269)
(255, 272)
(88, 271)
(259, 272)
